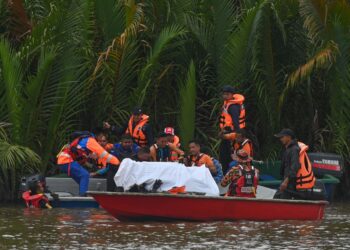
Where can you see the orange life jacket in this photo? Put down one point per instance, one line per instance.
(108, 148)
(237, 146)
(225, 117)
(137, 133)
(193, 161)
(305, 175)
(75, 152)
(173, 155)
(34, 200)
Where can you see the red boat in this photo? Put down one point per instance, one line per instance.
(164, 207)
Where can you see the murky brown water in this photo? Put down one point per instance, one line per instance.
(95, 229)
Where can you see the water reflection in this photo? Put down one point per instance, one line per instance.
(94, 229)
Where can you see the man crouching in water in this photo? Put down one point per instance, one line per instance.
(35, 197)
(243, 178)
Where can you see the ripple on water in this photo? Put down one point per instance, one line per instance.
(95, 229)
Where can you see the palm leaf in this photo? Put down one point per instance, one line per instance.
(237, 54)
(15, 161)
(11, 89)
(152, 65)
(110, 17)
(314, 13)
(323, 59)
(187, 109)
(34, 92)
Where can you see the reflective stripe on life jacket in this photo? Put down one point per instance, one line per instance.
(137, 133)
(247, 184)
(74, 152)
(225, 117)
(305, 176)
(100, 161)
(33, 201)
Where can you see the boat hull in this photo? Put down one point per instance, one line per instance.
(74, 202)
(159, 207)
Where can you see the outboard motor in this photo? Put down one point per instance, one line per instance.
(326, 163)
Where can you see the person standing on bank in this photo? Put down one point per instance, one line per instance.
(138, 128)
(296, 169)
(232, 119)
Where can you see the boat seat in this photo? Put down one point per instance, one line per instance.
(68, 185)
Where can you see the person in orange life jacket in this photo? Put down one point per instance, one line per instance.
(102, 139)
(173, 139)
(125, 149)
(161, 150)
(138, 127)
(232, 117)
(198, 159)
(35, 196)
(122, 150)
(239, 141)
(243, 178)
(296, 168)
(74, 155)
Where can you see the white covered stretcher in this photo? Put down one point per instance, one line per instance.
(195, 179)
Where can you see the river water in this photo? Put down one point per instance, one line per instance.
(95, 229)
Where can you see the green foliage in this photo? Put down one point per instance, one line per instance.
(15, 161)
(187, 113)
(70, 64)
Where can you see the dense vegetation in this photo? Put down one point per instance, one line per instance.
(70, 64)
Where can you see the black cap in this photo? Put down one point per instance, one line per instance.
(162, 134)
(229, 89)
(126, 137)
(137, 111)
(285, 132)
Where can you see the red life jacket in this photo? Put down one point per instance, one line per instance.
(246, 184)
(33, 201)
